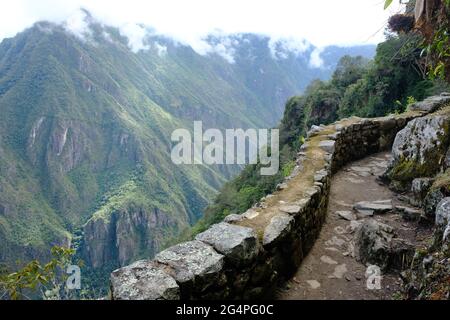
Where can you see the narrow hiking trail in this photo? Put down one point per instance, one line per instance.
(330, 271)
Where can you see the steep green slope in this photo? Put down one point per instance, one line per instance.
(85, 132)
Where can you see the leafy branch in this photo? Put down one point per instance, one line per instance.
(34, 276)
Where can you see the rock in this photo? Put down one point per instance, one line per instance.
(361, 169)
(282, 186)
(192, 261)
(328, 146)
(430, 104)
(443, 213)
(238, 244)
(420, 188)
(314, 284)
(291, 209)
(367, 208)
(315, 130)
(327, 260)
(354, 225)
(250, 214)
(408, 214)
(279, 227)
(321, 176)
(443, 218)
(418, 149)
(431, 201)
(373, 243)
(143, 280)
(339, 272)
(233, 218)
(346, 215)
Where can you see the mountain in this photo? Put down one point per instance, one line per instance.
(85, 132)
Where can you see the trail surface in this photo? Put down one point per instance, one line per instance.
(330, 270)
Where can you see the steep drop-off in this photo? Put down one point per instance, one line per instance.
(85, 131)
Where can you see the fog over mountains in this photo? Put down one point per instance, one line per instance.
(87, 111)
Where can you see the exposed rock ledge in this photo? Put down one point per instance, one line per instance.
(246, 256)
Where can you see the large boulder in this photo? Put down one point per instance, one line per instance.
(419, 150)
(376, 243)
(194, 265)
(278, 229)
(431, 104)
(143, 280)
(239, 245)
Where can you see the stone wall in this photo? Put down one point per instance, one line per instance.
(247, 256)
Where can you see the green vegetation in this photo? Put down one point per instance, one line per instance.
(388, 84)
(85, 132)
(49, 279)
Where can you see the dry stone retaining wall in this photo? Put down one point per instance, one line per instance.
(234, 261)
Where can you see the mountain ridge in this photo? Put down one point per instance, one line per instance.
(85, 137)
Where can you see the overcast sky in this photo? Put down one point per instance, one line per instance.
(322, 22)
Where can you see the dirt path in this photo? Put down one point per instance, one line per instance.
(330, 271)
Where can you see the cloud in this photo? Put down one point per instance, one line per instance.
(78, 24)
(160, 49)
(282, 48)
(136, 35)
(322, 23)
(316, 60)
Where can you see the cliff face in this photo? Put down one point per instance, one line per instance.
(125, 235)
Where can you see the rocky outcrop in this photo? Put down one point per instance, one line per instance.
(124, 235)
(376, 243)
(431, 104)
(143, 280)
(419, 150)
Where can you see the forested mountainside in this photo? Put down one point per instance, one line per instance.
(85, 131)
(359, 87)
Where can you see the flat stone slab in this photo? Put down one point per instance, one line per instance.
(190, 260)
(430, 104)
(279, 227)
(328, 260)
(236, 243)
(143, 280)
(251, 214)
(328, 145)
(361, 169)
(314, 284)
(369, 208)
(291, 209)
(409, 214)
(346, 215)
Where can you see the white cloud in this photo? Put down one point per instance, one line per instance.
(322, 23)
(316, 60)
(78, 24)
(136, 35)
(160, 49)
(283, 47)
